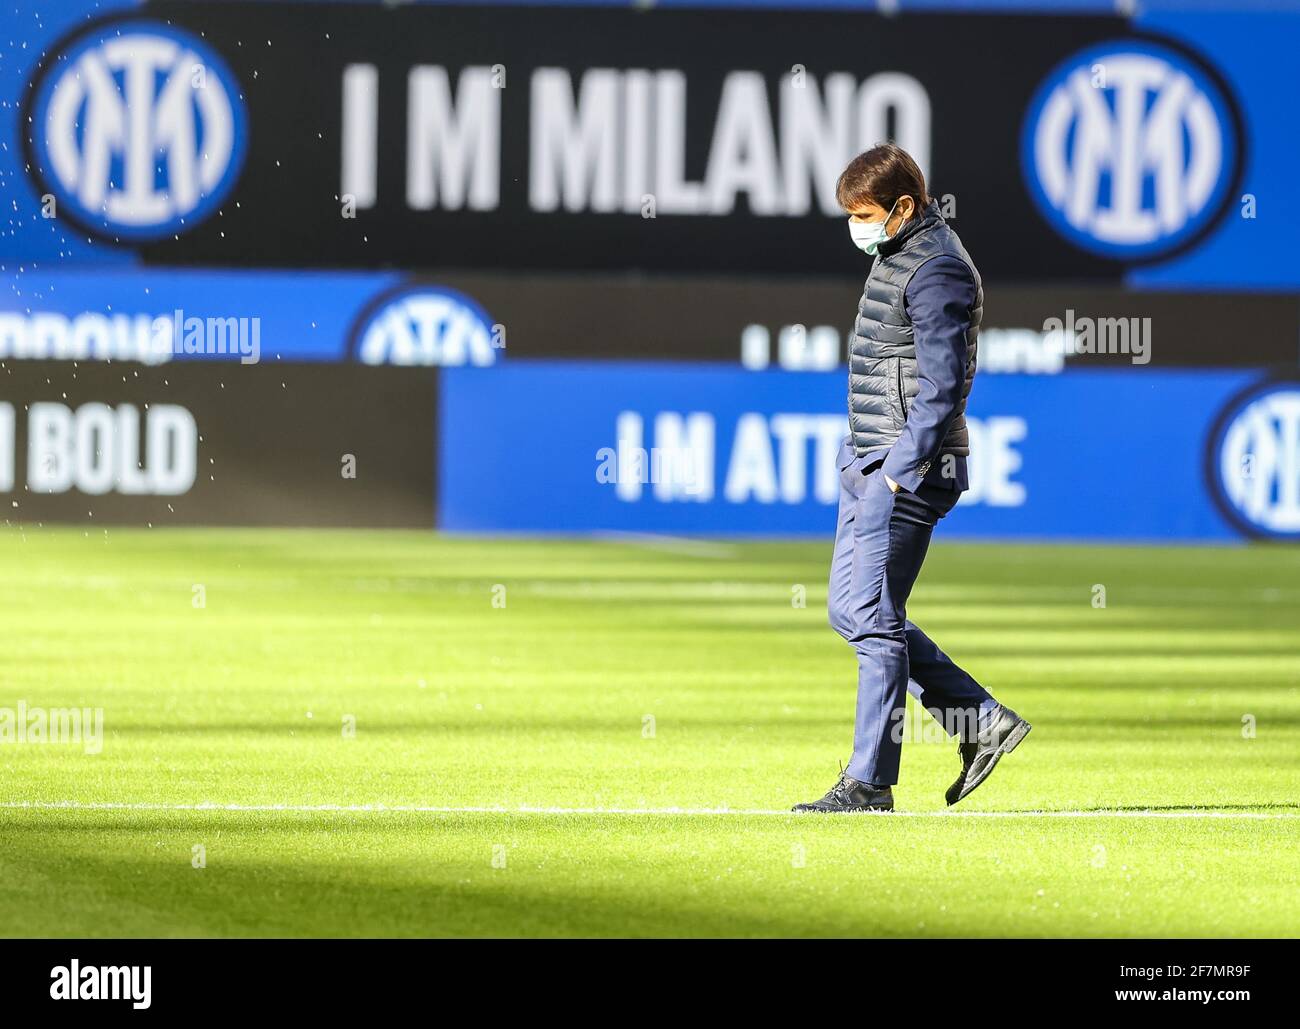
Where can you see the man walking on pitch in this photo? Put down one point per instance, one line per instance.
(902, 468)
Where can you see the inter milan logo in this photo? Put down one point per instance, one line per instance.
(1254, 461)
(137, 129)
(425, 325)
(1130, 149)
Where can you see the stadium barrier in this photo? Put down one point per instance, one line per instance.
(217, 443)
(1141, 454)
(254, 386)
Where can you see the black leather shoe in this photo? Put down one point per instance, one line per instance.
(981, 753)
(849, 795)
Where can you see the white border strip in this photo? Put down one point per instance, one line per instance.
(76, 805)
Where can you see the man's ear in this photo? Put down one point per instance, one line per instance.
(903, 211)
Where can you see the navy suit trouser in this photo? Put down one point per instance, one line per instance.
(881, 539)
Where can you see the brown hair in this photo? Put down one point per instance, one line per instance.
(880, 176)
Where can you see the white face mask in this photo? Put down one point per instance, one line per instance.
(868, 236)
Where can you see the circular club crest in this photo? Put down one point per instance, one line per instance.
(1253, 461)
(137, 129)
(417, 324)
(1131, 149)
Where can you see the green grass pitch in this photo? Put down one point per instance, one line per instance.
(565, 676)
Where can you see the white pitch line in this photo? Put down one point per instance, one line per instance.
(76, 805)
